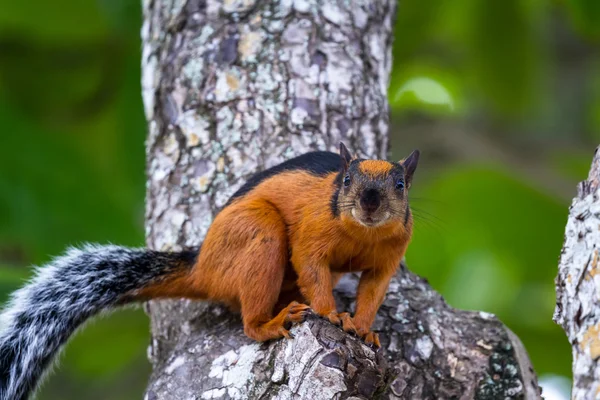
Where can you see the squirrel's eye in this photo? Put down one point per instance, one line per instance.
(347, 180)
(399, 184)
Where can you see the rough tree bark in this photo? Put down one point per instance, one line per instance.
(578, 286)
(235, 86)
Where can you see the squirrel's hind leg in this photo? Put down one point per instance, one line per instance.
(264, 263)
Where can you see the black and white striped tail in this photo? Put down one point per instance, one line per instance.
(42, 316)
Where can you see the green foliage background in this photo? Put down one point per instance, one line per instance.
(518, 73)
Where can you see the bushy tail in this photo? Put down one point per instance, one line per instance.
(42, 316)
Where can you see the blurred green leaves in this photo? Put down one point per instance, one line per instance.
(61, 62)
(58, 21)
(108, 347)
(572, 164)
(69, 83)
(501, 44)
(424, 90)
(492, 48)
(489, 241)
(585, 15)
(422, 87)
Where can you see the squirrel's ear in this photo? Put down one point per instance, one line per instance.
(410, 165)
(346, 156)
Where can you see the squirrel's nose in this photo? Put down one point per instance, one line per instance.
(370, 200)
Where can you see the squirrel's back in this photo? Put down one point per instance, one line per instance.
(316, 163)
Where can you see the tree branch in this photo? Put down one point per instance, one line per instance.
(578, 286)
(429, 351)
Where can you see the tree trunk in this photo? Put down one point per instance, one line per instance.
(236, 86)
(578, 286)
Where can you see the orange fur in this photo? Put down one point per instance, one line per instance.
(279, 243)
(375, 167)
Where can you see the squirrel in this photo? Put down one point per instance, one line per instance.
(274, 252)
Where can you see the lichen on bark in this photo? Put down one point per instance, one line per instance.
(578, 285)
(232, 87)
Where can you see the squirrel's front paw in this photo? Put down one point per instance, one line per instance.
(332, 316)
(372, 339)
(341, 319)
(347, 323)
(369, 337)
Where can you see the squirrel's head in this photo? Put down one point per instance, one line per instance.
(375, 192)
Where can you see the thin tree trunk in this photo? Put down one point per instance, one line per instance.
(578, 286)
(236, 86)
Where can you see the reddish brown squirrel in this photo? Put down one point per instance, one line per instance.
(275, 252)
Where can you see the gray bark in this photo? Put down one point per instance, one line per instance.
(233, 87)
(578, 286)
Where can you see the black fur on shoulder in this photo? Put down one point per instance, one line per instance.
(318, 163)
